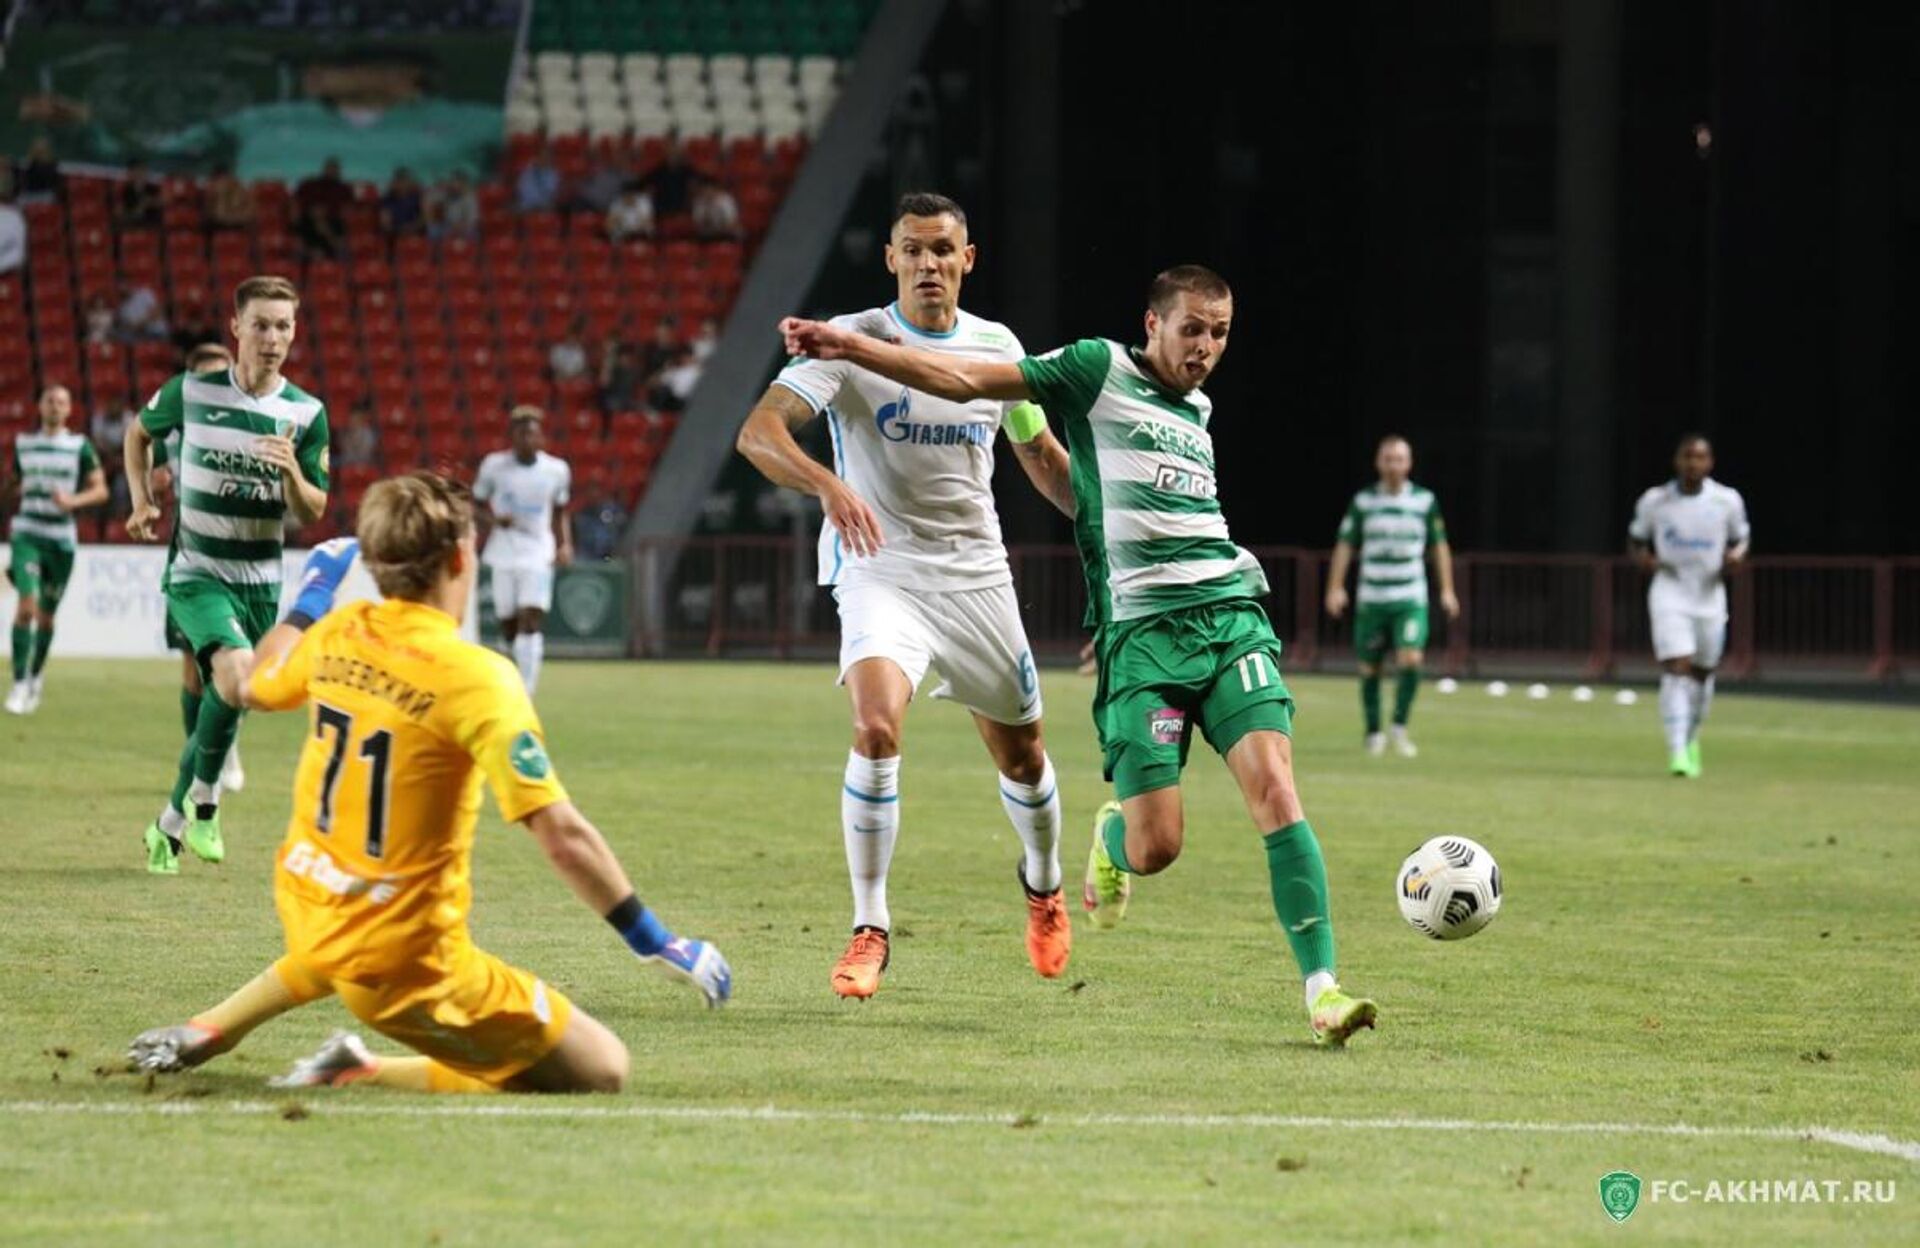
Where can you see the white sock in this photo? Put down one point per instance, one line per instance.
(1317, 983)
(201, 793)
(1676, 709)
(527, 651)
(172, 822)
(1702, 699)
(1034, 810)
(870, 824)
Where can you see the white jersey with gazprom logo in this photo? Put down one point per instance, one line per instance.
(527, 493)
(1690, 535)
(924, 464)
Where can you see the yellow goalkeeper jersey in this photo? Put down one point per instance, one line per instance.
(405, 720)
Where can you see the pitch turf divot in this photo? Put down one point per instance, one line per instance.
(1857, 1141)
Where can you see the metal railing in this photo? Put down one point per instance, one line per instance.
(1792, 616)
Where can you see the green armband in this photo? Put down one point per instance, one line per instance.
(1026, 422)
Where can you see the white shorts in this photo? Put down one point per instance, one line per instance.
(973, 636)
(1686, 635)
(517, 588)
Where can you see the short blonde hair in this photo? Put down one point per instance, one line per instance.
(265, 286)
(408, 528)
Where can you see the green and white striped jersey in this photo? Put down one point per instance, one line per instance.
(1392, 532)
(44, 463)
(1148, 523)
(232, 504)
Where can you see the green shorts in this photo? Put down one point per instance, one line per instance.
(40, 570)
(1383, 626)
(210, 616)
(1216, 667)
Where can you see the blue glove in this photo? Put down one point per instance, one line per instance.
(698, 963)
(320, 580)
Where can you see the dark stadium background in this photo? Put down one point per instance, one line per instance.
(1421, 241)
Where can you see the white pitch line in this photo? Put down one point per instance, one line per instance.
(1858, 1141)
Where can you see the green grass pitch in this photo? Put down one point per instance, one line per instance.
(1740, 955)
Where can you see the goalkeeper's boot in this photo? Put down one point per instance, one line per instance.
(1049, 929)
(1336, 1016)
(343, 1059)
(1693, 758)
(163, 852)
(167, 1049)
(1680, 763)
(857, 973)
(1104, 893)
(203, 837)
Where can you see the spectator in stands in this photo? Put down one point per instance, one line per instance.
(109, 428)
(705, 341)
(673, 385)
(99, 319)
(140, 318)
(597, 527)
(36, 180)
(538, 189)
(194, 324)
(716, 214)
(319, 204)
(13, 239)
(671, 184)
(567, 358)
(137, 206)
(630, 216)
(621, 378)
(455, 210)
(600, 188)
(403, 209)
(360, 440)
(662, 347)
(229, 205)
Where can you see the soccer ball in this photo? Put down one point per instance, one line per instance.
(1449, 888)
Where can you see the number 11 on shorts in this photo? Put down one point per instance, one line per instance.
(1254, 672)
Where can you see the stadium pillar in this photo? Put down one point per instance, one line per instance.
(1588, 211)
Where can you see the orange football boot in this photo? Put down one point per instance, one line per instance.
(1049, 929)
(857, 973)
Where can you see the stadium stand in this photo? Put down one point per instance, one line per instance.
(439, 335)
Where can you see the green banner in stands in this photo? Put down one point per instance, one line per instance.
(271, 104)
(591, 614)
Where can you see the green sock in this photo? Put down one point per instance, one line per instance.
(213, 736)
(1299, 878)
(1113, 834)
(1370, 701)
(42, 642)
(189, 710)
(1404, 687)
(22, 649)
(183, 777)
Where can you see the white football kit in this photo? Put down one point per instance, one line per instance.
(1690, 534)
(939, 592)
(521, 552)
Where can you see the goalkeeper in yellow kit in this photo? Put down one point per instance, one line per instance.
(408, 723)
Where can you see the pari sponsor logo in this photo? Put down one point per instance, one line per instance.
(896, 424)
(1671, 538)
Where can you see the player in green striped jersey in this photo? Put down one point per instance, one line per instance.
(55, 473)
(1180, 638)
(1396, 527)
(208, 357)
(253, 451)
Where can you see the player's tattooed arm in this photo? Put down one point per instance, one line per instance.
(767, 442)
(1049, 467)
